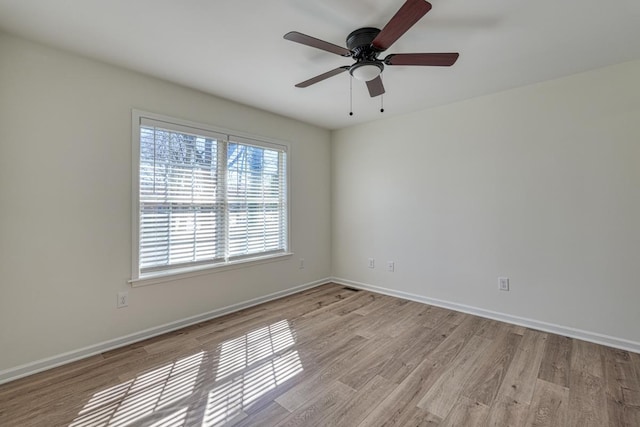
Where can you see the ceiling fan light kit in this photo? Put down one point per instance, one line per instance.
(364, 45)
(366, 71)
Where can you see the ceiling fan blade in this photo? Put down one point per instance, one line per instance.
(405, 18)
(304, 39)
(322, 76)
(432, 59)
(375, 87)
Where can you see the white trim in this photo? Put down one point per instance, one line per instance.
(82, 353)
(135, 192)
(206, 126)
(593, 337)
(178, 127)
(163, 276)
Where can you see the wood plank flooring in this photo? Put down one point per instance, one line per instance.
(333, 356)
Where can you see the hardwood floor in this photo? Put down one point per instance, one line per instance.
(333, 356)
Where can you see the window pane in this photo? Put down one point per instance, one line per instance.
(256, 200)
(180, 214)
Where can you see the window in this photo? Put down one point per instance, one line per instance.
(205, 198)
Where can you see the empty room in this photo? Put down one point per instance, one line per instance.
(319, 213)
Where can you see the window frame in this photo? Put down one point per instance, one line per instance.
(170, 274)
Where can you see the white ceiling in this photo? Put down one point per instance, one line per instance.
(234, 49)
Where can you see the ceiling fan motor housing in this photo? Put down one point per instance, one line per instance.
(367, 66)
(359, 43)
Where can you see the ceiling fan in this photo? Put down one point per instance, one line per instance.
(365, 44)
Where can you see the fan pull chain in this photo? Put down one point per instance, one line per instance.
(351, 95)
(382, 103)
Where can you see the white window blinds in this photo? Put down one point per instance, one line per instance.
(207, 197)
(256, 200)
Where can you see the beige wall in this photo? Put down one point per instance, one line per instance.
(65, 203)
(540, 184)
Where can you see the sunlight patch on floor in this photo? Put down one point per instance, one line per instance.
(247, 368)
(124, 404)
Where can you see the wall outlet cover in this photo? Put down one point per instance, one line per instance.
(123, 299)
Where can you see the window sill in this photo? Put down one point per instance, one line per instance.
(185, 273)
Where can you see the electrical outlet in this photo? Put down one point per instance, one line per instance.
(301, 265)
(123, 299)
(503, 283)
(372, 263)
(391, 266)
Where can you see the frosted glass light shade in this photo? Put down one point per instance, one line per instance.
(366, 71)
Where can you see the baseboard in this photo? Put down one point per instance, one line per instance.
(72, 356)
(594, 337)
